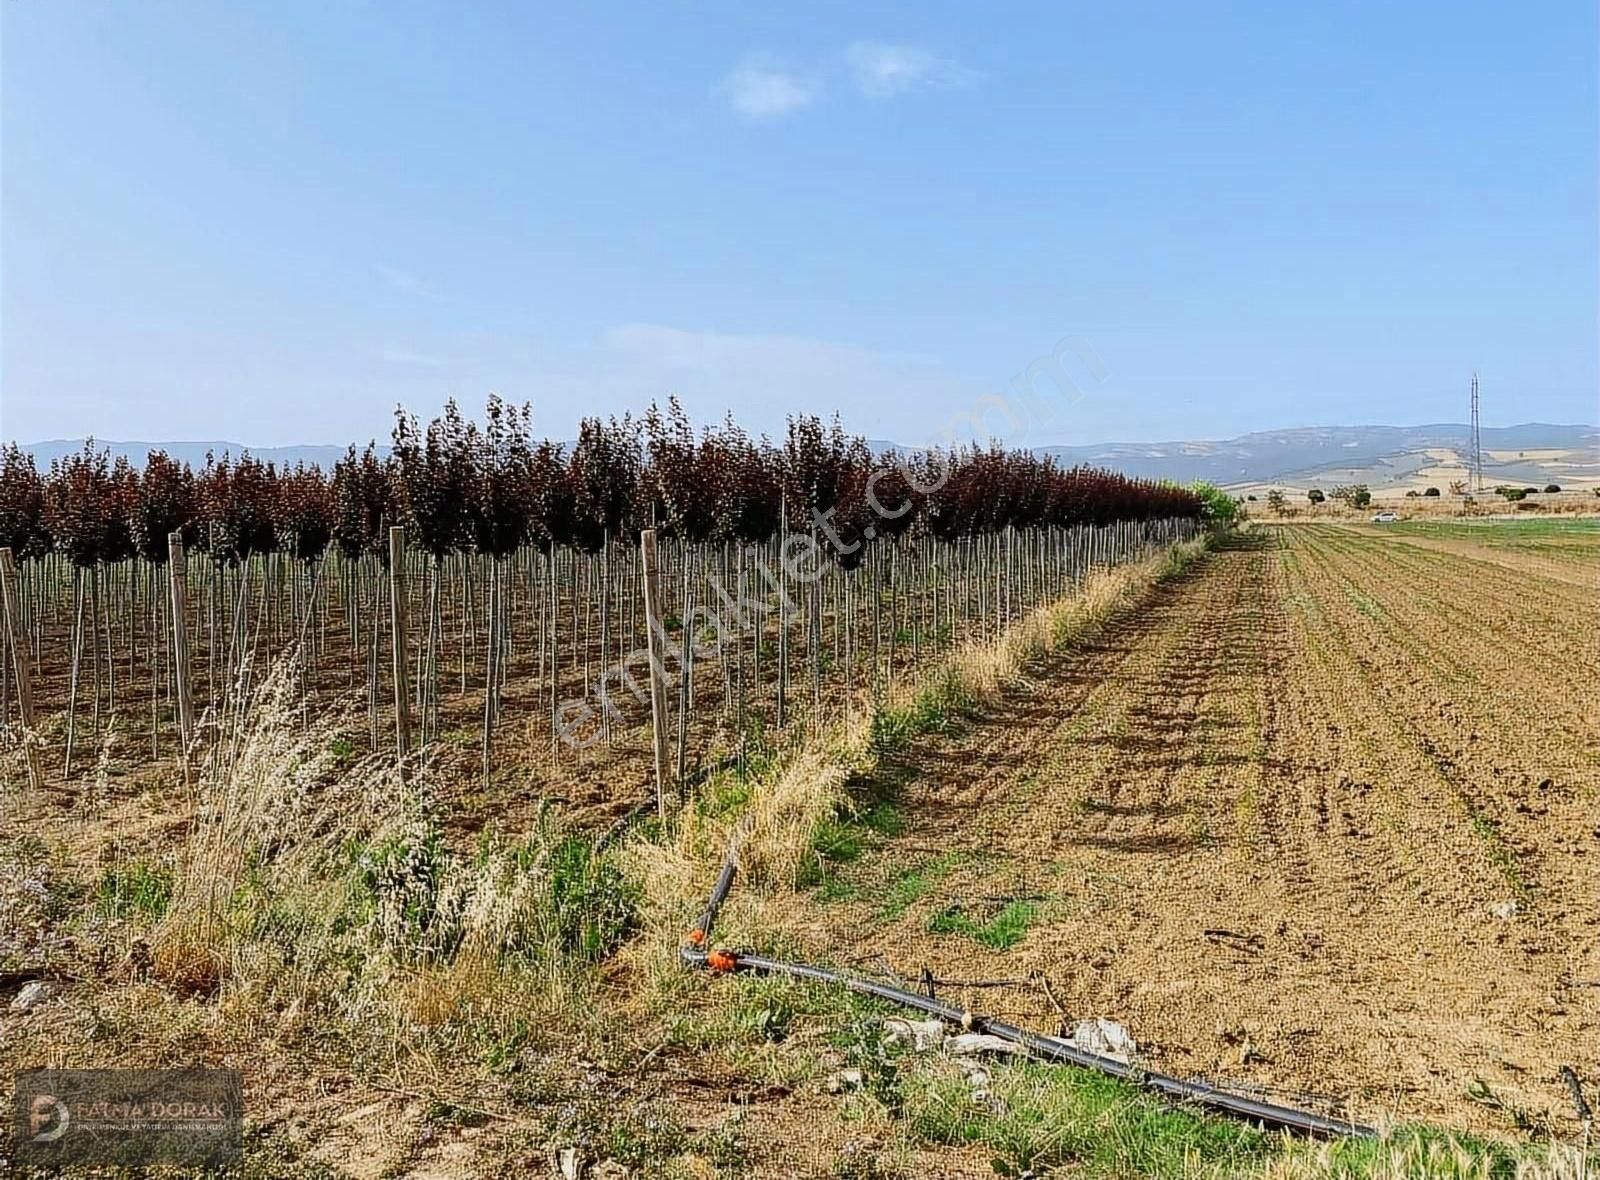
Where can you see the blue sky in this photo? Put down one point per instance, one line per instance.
(271, 223)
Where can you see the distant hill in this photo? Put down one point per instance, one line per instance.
(192, 453)
(1379, 456)
(1383, 457)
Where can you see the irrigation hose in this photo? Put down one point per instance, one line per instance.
(1269, 1114)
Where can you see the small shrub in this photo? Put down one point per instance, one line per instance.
(1552, 487)
(1431, 492)
(1514, 494)
(1217, 507)
(866, 1048)
(1413, 494)
(1315, 496)
(399, 879)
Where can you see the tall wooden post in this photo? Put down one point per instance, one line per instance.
(654, 639)
(12, 621)
(397, 621)
(177, 579)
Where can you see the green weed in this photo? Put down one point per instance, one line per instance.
(136, 890)
(1000, 931)
(1040, 1117)
(908, 887)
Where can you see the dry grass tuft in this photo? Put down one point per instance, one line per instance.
(269, 805)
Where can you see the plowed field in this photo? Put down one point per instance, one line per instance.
(1323, 819)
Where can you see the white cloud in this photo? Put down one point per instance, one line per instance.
(884, 71)
(761, 89)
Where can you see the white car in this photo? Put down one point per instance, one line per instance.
(1385, 518)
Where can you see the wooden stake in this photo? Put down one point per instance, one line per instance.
(654, 637)
(177, 577)
(397, 620)
(19, 662)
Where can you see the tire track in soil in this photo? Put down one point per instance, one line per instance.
(1220, 762)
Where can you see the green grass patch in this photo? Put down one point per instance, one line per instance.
(1041, 1117)
(839, 840)
(136, 890)
(756, 1010)
(834, 889)
(1525, 532)
(1364, 603)
(910, 886)
(1000, 931)
(1037, 1119)
(343, 750)
(843, 839)
(934, 708)
(725, 793)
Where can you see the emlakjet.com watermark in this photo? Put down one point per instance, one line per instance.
(1035, 398)
(128, 1117)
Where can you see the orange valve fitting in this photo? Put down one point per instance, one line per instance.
(697, 936)
(721, 960)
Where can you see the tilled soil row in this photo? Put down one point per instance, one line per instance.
(1467, 685)
(1532, 769)
(1527, 795)
(1490, 633)
(1269, 824)
(1569, 565)
(1543, 618)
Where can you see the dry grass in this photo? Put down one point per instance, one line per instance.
(772, 836)
(983, 671)
(307, 890)
(1441, 1157)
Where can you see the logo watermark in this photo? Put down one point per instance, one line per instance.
(128, 1117)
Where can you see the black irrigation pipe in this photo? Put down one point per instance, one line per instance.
(1269, 1114)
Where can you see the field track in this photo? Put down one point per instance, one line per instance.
(1321, 818)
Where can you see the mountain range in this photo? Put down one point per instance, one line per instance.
(1383, 457)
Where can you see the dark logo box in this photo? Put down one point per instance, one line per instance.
(128, 1117)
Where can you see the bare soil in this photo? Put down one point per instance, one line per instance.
(1321, 821)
